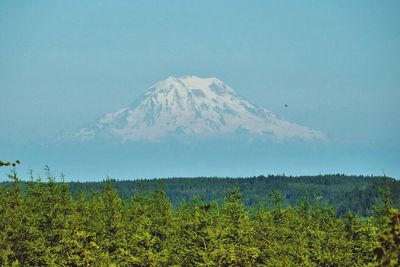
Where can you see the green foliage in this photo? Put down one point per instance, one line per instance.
(6, 163)
(388, 250)
(44, 224)
(358, 194)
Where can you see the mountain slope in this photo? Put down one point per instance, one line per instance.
(193, 106)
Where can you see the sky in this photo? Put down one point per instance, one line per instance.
(336, 64)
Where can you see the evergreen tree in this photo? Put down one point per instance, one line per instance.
(234, 245)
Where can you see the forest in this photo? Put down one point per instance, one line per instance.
(200, 222)
(343, 193)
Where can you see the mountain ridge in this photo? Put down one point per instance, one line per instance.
(193, 106)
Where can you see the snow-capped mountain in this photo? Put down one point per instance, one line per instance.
(193, 106)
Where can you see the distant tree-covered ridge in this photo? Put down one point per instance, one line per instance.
(66, 224)
(343, 193)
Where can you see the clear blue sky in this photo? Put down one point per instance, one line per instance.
(335, 63)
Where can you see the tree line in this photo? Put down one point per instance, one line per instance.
(45, 224)
(343, 193)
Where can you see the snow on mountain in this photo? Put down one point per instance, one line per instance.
(193, 106)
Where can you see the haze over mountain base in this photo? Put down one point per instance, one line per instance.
(219, 157)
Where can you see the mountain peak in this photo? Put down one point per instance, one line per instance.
(189, 82)
(193, 106)
(210, 87)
